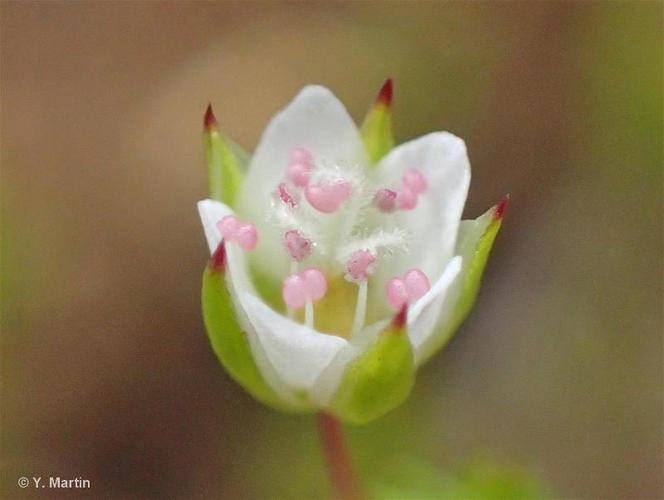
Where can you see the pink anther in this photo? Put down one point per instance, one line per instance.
(414, 180)
(315, 283)
(297, 245)
(360, 266)
(327, 198)
(293, 291)
(300, 288)
(301, 155)
(385, 200)
(406, 199)
(286, 196)
(298, 173)
(300, 165)
(408, 289)
(244, 234)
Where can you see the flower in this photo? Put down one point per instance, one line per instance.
(339, 263)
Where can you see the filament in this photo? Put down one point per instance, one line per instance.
(309, 314)
(360, 308)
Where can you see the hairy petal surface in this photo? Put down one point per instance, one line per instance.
(315, 120)
(433, 225)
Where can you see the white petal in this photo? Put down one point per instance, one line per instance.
(289, 355)
(432, 226)
(331, 377)
(212, 212)
(298, 354)
(315, 120)
(424, 314)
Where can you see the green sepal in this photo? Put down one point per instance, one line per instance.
(472, 277)
(378, 380)
(226, 162)
(475, 252)
(230, 342)
(376, 129)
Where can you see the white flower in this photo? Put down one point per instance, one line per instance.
(323, 246)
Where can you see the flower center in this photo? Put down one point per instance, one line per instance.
(337, 226)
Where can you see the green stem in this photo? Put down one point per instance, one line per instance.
(343, 480)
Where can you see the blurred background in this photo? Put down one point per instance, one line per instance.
(556, 379)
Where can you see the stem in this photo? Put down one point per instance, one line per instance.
(343, 480)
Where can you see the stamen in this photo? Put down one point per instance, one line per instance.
(407, 198)
(327, 198)
(315, 283)
(302, 289)
(290, 312)
(300, 165)
(301, 155)
(396, 293)
(298, 174)
(360, 266)
(301, 217)
(285, 195)
(408, 289)
(360, 308)
(385, 200)
(244, 234)
(293, 291)
(358, 269)
(309, 314)
(297, 245)
(414, 180)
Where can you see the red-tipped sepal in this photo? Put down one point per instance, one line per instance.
(379, 379)
(377, 126)
(217, 262)
(475, 241)
(400, 319)
(385, 94)
(228, 340)
(501, 206)
(209, 120)
(226, 161)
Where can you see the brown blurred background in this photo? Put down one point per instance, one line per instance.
(106, 370)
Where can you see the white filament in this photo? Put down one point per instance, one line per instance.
(309, 314)
(360, 308)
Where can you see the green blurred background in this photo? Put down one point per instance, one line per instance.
(555, 379)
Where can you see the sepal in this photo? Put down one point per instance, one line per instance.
(229, 342)
(379, 379)
(226, 161)
(472, 276)
(476, 239)
(376, 129)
